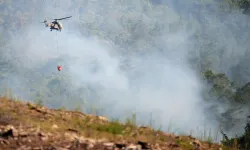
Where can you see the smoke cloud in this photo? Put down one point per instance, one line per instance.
(127, 57)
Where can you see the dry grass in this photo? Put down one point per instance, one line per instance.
(14, 111)
(91, 126)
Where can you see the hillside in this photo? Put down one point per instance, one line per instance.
(27, 126)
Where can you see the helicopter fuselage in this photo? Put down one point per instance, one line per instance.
(55, 25)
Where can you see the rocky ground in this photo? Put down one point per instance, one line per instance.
(24, 126)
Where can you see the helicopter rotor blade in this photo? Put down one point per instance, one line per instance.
(63, 18)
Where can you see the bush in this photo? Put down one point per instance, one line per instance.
(242, 142)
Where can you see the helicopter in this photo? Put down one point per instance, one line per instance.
(55, 25)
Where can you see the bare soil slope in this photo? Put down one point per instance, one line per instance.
(25, 126)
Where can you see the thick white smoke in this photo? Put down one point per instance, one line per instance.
(133, 55)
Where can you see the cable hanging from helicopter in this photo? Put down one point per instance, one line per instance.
(59, 67)
(55, 25)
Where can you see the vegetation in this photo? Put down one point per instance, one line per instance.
(242, 142)
(222, 87)
(28, 119)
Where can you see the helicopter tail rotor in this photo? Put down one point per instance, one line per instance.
(45, 21)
